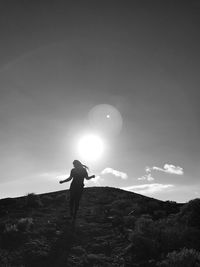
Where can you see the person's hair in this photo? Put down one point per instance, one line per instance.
(79, 164)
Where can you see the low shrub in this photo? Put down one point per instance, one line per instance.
(11, 237)
(171, 239)
(25, 224)
(10, 228)
(10, 258)
(183, 258)
(4, 257)
(173, 236)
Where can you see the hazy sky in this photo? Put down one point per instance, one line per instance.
(59, 59)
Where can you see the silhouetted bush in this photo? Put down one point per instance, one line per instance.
(10, 228)
(183, 258)
(10, 258)
(11, 237)
(4, 257)
(171, 238)
(190, 237)
(168, 233)
(24, 224)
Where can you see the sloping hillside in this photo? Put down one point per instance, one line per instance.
(113, 228)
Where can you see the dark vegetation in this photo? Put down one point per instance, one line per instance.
(113, 228)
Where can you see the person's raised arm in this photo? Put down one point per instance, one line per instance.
(66, 180)
(89, 177)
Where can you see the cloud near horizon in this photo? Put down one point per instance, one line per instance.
(168, 168)
(116, 173)
(149, 188)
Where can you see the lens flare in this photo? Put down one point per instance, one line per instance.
(105, 118)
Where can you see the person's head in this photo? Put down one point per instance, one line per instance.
(78, 164)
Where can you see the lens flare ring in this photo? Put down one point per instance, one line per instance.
(106, 119)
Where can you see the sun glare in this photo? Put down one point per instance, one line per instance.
(90, 147)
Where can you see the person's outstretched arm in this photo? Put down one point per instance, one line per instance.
(89, 177)
(66, 180)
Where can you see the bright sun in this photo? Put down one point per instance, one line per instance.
(90, 147)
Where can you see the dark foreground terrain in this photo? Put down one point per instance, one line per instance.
(113, 228)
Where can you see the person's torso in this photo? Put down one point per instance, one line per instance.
(78, 175)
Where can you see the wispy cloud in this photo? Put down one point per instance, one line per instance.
(173, 169)
(147, 177)
(149, 188)
(99, 179)
(168, 168)
(116, 173)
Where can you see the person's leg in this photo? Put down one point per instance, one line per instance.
(72, 203)
(76, 206)
(77, 201)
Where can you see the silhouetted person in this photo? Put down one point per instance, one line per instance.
(78, 174)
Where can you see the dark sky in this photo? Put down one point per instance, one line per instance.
(59, 59)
